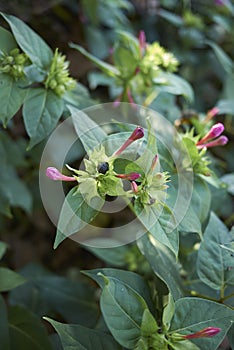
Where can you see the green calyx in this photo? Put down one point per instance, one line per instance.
(58, 78)
(199, 162)
(152, 189)
(93, 182)
(13, 63)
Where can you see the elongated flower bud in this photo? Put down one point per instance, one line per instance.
(137, 134)
(142, 42)
(131, 176)
(134, 187)
(206, 332)
(220, 141)
(54, 174)
(215, 131)
(211, 114)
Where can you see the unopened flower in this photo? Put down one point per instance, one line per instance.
(131, 176)
(206, 332)
(13, 63)
(134, 186)
(137, 134)
(220, 141)
(54, 174)
(211, 113)
(215, 131)
(142, 42)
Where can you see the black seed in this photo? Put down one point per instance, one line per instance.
(103, 167)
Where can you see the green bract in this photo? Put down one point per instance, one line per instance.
(58, 78)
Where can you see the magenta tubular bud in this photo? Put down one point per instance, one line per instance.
(54, 174)
(137, 134)
(134, 187)
(215, 131)
(206, 332)
(211, 113)
(142, 42)
(131, 176)
(220, 141)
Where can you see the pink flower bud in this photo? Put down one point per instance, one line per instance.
(137, 134)
(211, 113)
(142, 42)
(134, 187)
(54, 174)
(220, 141)
(131, 176)
(206, 332)
(215, 131)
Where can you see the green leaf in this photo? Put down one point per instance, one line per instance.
(81, 338)
(9, 279)
(3, 248)
(75, 214)
(126, 54)
(4, 330)
(41, 111)
(90, 133)
(231, 336)
(174, 84)
(44, 292)
(105, 67)
(163, 263)
(122, 308)
(26, 330)
(168, 312)
(114, 256)
(7, 41)
(228, 179)
(221, 55)
(129, 278)
(194, 314)
(11, 96)
(159, 221)
(30, 42)
(210, 261)
(226, 106)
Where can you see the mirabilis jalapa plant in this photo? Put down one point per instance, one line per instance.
(100, 179)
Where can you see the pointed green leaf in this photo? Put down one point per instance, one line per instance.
(27, 331)
(163, 263)
(41, 111)
(30, 42)
(9, 279)
(90, 133)
(210, 262)
(81, 338)
(7, 41)
(105, 67)
(11, 97)
(75, 214)
(129, 278)
(122, 308)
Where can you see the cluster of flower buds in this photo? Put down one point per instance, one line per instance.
(103, 167)
(213, 137)
(13, 63)
(58, 78)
